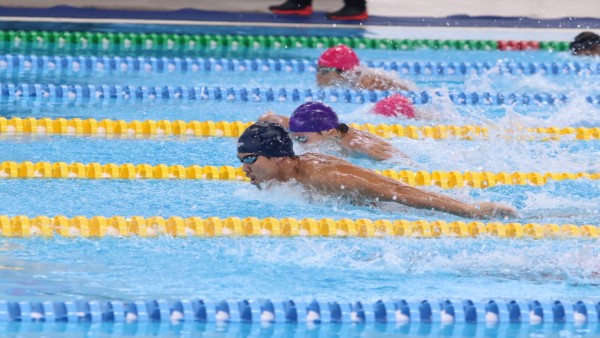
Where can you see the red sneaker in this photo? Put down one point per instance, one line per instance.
(292, 7)
(349, 13)
(304, 11)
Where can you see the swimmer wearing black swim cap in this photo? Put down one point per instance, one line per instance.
(265, 150)
(260, 143)
(586, 43)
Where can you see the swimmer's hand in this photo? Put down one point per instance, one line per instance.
(269, 116)
(494, 210)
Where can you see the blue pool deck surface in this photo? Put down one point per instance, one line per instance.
(298, 286)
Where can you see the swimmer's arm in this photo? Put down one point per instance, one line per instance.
(374, 82)
(376, 149)
(283, 120)
(372, 185)
(421, 199)
(371, 145)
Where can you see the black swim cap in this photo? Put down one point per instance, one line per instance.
(266, 138)
(584, 41)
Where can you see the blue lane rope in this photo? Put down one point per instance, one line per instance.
(400, 311)
(125, 92)
(129, 64)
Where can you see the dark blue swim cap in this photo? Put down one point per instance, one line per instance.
(266, 138)
(583, 41)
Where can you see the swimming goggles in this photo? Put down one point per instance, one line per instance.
(326, 70)
(300, 139)
(249, 159)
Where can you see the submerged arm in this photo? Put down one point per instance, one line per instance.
(359, 142)
(371, 145)
(375, 82)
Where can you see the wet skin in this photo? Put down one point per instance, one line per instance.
(260, 171)
(356, 142)
(334, 176)
(591, 51)
(329, 79)
(361, 79)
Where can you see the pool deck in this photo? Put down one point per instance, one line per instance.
(538, 9)
(509, 19)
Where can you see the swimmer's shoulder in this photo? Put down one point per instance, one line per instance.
(311, 157)
(356, 134)
(271, 117)
(320, 161)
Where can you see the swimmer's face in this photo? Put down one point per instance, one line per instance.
(327, 76)
(590, 51)
(309, 137)
(258, 168)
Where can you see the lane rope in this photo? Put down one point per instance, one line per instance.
(106, 127)
(192, 42)
(100, 226)
(397, 312)
(142, 64)
(90, 92)
(443, 179)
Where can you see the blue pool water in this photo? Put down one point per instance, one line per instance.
(300, 268)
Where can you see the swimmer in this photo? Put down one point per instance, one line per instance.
(315, 123)
(339, 66)
(586, 43)
(267, 155)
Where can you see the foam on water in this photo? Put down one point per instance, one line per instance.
(304, 268)
(555, 206)
(577, 112)
(510, 156)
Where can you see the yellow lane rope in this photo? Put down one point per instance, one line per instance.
(99, 226)
(444, 179)
(107, 127)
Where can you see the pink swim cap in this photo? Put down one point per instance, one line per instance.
(395, 105)
(340, 57)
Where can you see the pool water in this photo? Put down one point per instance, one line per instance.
(340, 269)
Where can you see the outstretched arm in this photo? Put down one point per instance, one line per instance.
(345, 178)
(269, 116)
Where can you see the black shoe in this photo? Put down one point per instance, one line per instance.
(349, 13)
(292, 7)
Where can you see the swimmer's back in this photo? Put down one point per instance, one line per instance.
(329, 172)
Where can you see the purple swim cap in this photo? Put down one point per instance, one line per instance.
(313, 117)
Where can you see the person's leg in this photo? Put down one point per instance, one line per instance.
(352, 10)
(298, 7)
